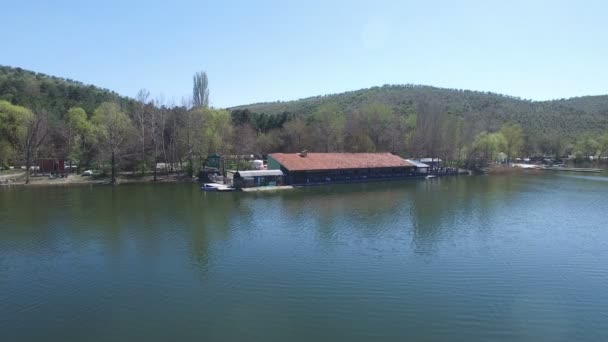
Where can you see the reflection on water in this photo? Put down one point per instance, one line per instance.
(465, 258)
(592, 177)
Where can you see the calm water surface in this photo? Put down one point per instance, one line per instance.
(469, 258)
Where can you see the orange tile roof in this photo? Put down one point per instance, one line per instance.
(335, 161)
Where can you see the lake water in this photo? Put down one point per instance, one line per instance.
(461, 259)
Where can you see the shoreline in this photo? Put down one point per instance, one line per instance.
(78, 180)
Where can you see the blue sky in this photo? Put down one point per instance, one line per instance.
(255, 51)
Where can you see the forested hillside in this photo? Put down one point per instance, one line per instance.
(48, 117)
(568, 117)
(52, 94)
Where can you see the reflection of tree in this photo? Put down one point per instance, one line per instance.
(445, 203)
(208, 218)
(357, 208)
(149, 222)
(428, 211)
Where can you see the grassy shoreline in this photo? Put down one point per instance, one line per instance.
(18, 179)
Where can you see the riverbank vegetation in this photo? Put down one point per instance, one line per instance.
(49, 117)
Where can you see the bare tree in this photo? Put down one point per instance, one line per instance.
(244, 141)
(192, 135)
(36, 132)
(154, 127)
(296, 133)
(157, 125)
(357, 133)
(428, 128)
(327, 125)
(174, 136)
(141, 118)
(200, 91)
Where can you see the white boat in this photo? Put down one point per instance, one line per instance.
(208, 187)
(527, 166)
(430, 177)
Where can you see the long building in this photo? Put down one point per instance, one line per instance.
(315, 168)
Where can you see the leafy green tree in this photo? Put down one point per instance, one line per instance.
(79, 134)
(13, 129)
(113, 128)
(13, 120)
(23, 131)
(586, 146)
(602, 145)
(514, 140)
(217, 130)
(487, 145)
(7, 154)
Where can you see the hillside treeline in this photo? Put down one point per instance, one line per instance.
(421, 129)
(567, 117)
(43, 116)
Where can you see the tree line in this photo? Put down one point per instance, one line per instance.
(137, 134)
(423, 130)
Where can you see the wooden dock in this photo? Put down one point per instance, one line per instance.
(572, 169)
(267, 188)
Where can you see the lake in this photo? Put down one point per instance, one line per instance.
(464, 258)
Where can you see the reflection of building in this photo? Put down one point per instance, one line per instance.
(310, 168)
(256, 178)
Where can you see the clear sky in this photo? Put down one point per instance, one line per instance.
(255, 51)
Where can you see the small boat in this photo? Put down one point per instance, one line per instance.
(527, 166)
(208, 187)
(430, 177)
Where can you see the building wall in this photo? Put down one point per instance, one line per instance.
(273, 164)
(252, 182)
(348, 175)
(51, 165)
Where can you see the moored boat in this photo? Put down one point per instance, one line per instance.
(211, 187)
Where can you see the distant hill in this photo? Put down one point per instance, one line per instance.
(569, 117)
(488, 111)
(56, 95)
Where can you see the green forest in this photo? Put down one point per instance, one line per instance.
(51, 117)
